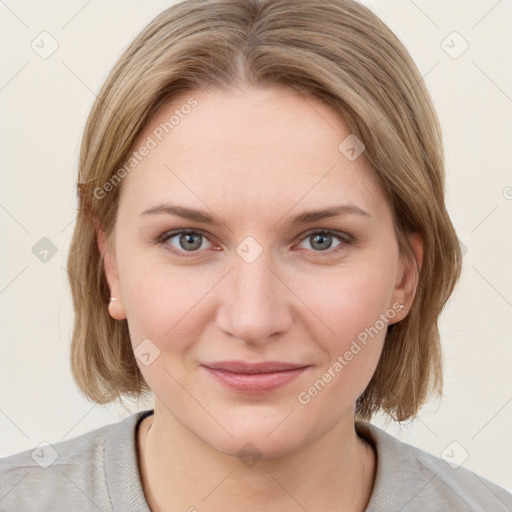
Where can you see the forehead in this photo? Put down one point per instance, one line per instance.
(249, 148)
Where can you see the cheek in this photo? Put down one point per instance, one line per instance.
(354, 308)
(164, 307)
(168, 303)
(164, 304)
(349, 299)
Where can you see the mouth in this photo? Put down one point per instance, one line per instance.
(260, 377)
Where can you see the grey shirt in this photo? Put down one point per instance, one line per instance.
(98, 471)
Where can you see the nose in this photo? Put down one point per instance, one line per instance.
(256, 304)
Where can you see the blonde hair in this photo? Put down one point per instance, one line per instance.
(336, 51)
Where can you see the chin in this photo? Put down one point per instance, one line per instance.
(255, 446)
(257, 433)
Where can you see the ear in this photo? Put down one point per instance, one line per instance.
(408, 276)
(116, 306)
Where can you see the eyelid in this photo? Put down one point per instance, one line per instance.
(342, 235)
(165, 237)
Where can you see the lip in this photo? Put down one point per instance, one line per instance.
(259, 377)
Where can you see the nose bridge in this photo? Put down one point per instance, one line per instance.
(253, 306)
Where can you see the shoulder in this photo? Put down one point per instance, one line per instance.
(416, 480)
(54, 476)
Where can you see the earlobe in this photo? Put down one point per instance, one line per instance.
(116, 309)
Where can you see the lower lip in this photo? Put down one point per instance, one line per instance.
(256, 382)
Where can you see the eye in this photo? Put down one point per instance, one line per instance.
(185, 241)
(322, 240)
(188, 243)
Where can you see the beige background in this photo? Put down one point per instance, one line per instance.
(45, 102)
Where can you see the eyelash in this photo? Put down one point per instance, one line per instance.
(344, 238)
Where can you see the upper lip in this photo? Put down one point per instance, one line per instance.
(246, 367)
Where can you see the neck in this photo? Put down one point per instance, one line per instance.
(180, 472)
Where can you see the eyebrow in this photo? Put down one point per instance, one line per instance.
(303, 218)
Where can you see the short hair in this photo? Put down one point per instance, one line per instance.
(337, 51)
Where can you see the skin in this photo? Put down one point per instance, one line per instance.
(254, 158)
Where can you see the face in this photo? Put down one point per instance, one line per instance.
(217, 268)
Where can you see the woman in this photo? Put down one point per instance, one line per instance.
(261, 242)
